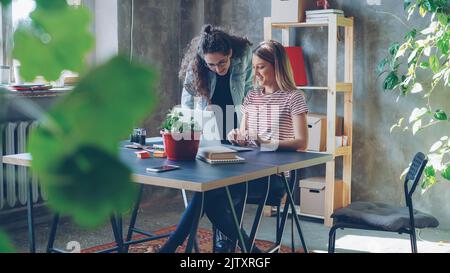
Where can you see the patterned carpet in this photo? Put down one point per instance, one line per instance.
(204, 238)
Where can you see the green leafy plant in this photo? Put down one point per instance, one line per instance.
(75, 148)
(173, 123)
(420, 65)
(59, 33)
(5, 244)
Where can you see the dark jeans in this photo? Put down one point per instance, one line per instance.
(218, 210)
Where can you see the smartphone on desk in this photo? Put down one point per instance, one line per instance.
(163, 168)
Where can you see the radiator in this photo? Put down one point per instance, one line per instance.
(14, 179)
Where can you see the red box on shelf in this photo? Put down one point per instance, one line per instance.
(295, 55)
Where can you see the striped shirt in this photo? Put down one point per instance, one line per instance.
(270, 115)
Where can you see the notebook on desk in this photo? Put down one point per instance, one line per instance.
(236, 159)
(216, 152)
(218, 155)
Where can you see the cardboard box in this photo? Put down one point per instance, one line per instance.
(291, 11)
(317, 131)
(312, 196)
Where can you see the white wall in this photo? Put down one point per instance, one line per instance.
(105, 25)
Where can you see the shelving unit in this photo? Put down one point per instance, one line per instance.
(332, 22)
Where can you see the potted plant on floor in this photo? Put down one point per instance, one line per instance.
(181, 137)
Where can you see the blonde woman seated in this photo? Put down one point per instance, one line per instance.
(274, 116)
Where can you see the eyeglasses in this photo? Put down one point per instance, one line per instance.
(220, 64)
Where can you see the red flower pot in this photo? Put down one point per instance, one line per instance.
(181, 146)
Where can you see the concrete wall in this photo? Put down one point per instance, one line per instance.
(163, 28)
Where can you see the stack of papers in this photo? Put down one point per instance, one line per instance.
(321, 15)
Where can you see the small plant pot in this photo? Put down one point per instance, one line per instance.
(181, 146)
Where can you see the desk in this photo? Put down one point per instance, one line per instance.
(201, 177)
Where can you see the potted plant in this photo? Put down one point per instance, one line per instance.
(181, 137)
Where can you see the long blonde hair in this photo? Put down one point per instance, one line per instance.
(274, 53)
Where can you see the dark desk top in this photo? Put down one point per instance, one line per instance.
(287, 161)
(194, 175)
(200, 176)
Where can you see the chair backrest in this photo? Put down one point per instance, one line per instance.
(414, 173)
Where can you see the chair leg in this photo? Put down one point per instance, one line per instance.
(413, 239)
(332, 239)
(292, 235)
(258, 216)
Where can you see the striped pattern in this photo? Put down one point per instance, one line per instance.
(270, 115)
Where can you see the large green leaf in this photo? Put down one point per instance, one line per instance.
(5, 244)
(5, 2)
(75, 147)
(440, 115)
(51, 4)
(381, 65)
(391, 81)
(90, 185)
(434, 63)
(446, 172)
(59, 37)
(107, 88)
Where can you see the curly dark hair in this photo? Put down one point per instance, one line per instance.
(211, 40)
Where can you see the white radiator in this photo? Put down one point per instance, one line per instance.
(14, 179)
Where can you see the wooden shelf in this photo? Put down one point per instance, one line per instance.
(340, 87)
(341, 22)
(344, 87)
(313, 87)
(341, 151)
(334, 86)
(291, 25)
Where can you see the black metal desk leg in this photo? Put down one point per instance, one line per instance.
(258, 215)
(31, 238)
(116, 225)
(193, 234)
(51, 239)
(237, 225)
(294, 212)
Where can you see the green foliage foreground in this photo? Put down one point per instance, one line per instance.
(75, 148)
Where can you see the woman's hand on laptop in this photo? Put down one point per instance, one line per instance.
(236, 137)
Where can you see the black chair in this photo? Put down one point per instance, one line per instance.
(384, 217)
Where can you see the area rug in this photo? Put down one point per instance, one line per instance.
(204, 237)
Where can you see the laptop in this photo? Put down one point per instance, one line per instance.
(210, 130)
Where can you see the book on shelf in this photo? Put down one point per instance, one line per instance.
(216, 153)
(317, 20)
(30, 87)
(236, 159)
(315, 16)
(324, 11)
